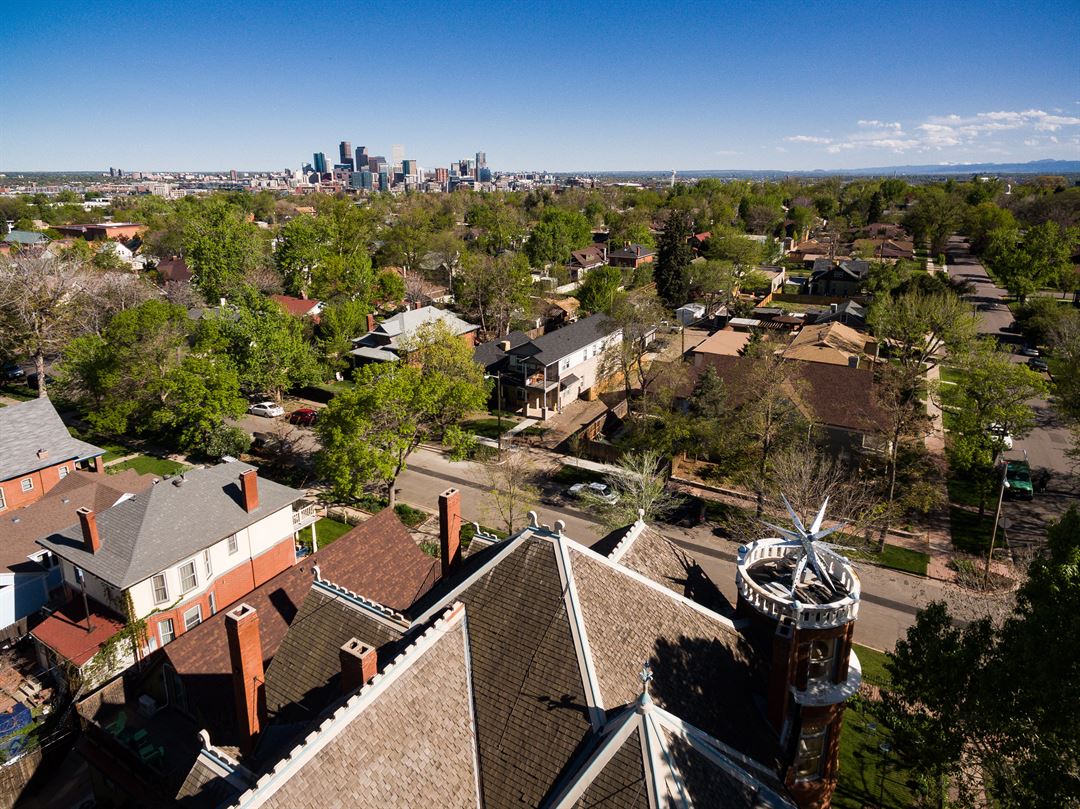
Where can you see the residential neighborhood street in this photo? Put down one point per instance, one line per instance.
(889, 602)
(1046, 445)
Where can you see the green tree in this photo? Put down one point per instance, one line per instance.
(221, 247)
(934, 217)
(492, 289)
(267, 346)
(597, 292)
(671, 273)
(979, 709)
(339, 323)
(556, 235)
(196, 397)
(368, 433)
(982, 220)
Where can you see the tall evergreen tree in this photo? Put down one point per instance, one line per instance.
(672, 273)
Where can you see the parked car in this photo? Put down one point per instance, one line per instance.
(304, 416)
(1029, 351)
(267, 409)
(12, 371)
(1018, 476)
(600, 491)
(999, 432)
(1038, 364)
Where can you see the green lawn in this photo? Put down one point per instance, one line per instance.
(147, 465)
(112, 449)
(895, 557)
(489, 427)
(969, 533)
(950, 374)
(326, 531)
(18, 391)
(873, 664)
(868, 776)
(963, 492)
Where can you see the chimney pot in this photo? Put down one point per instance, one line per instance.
(450, 530)
(359, 664)
(249, 487)
(245, 653)
(88, 522)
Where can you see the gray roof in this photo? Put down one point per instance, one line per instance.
(167, 523)
(35, 425)
(25, 237)
(407, 322)
(555, 345)
(487, 354)
(376, 354)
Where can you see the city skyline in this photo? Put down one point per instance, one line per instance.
(778, 87)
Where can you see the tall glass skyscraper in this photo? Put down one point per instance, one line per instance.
(320, 162)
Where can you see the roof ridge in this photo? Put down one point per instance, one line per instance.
(320, 736)
(632, 533)
(358, 601)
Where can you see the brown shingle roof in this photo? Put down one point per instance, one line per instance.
(375, 559)
(55, 511)
(407, 740)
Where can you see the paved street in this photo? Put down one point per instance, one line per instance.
(1047, 443)
(890, 599)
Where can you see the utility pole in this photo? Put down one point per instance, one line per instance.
(997, 517)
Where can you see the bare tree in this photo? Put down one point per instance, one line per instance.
(510, 481)
(635, 317)
(44, 303)
(639, 485)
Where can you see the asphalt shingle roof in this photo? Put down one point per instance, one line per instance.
(553, 346)
(167, 523)
(35, 425)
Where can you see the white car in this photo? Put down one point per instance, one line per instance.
(267, 409)
(601, 491)
(999, 433)
(1029, 351)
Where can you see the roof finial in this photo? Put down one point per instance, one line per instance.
(646, 677)
(809, 541)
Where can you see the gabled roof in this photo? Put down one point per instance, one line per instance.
(553, 346)
(55, 511)
(855, 269)
(592, 256)
(298, 307)
(366, 560)
(169, 522)
(304, 676)
(830, 342)
(406, 739)
(407, 322)
(25, 237)
(174, 270)
(648, 757)
(32, 437)
(490, 353)
(633, 251)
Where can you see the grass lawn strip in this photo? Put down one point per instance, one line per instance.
(969, 533)
(326, 531)
(147, 465)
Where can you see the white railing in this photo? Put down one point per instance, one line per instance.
(777, 605)
(304, 516)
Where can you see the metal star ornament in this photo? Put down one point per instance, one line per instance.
(808, 539)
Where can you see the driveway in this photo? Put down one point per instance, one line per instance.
(1046, 445)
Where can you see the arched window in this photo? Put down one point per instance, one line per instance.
(821, 653)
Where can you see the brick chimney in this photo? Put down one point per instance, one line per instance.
(245, 652)
(249, 487)
(370, 322)
(450, 530)
(88, 521)
(359, 663)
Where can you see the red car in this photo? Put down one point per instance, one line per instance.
(305, 416)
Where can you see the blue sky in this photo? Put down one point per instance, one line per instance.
(559, 86)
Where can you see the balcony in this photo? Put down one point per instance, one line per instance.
(540, 381)
(304, 516)
(761, 587)
(821, 692)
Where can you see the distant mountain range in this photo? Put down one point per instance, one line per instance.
(932, 169)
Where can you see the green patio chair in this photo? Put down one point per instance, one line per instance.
(116, 727)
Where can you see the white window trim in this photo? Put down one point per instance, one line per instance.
(161, 630)
(194, 572)
(198, 610)
(208, 566)
(27, 484)
(62, 471)
(3, 499)
(165, 585)
(232, 544)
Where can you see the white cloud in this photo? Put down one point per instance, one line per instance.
(938, 132)
(807, 139)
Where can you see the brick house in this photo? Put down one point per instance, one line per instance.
(171, 556)
(120, 231)
(632, 256)
(37, 452)
(588, 258)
